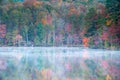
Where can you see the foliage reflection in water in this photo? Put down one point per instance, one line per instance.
(59, 64)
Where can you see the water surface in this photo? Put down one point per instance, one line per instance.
(58, 63)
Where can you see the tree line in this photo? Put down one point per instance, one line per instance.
(91, 23)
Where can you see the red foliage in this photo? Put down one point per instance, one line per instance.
(68, 27)
(105, 35)
(102, 7)
(113, 30)
(119, 23)
(18, 37)
(86, 41)
(2, 30)
(49, 19)
(82, 32)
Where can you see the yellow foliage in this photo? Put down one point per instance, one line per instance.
(108, 77)
(44, 21)
(108, 22)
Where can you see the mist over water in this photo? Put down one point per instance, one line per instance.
(58, 63)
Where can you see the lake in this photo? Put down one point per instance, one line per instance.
(58, 63)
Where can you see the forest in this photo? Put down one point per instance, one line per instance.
(88, 23)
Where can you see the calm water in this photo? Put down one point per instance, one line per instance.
(61, 63)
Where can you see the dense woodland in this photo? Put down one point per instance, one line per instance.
(89, 23)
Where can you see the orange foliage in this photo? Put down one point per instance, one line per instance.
(86, 41)
(47, 20)
(72, 10)
(108, 22)
(37, 3)
(44, 21)
(32, 3)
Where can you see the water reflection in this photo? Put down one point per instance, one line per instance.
(59, 64)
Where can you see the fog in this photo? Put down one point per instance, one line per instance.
(58, 63)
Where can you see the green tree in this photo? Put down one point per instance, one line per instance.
(40, 32)
(113, 8)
